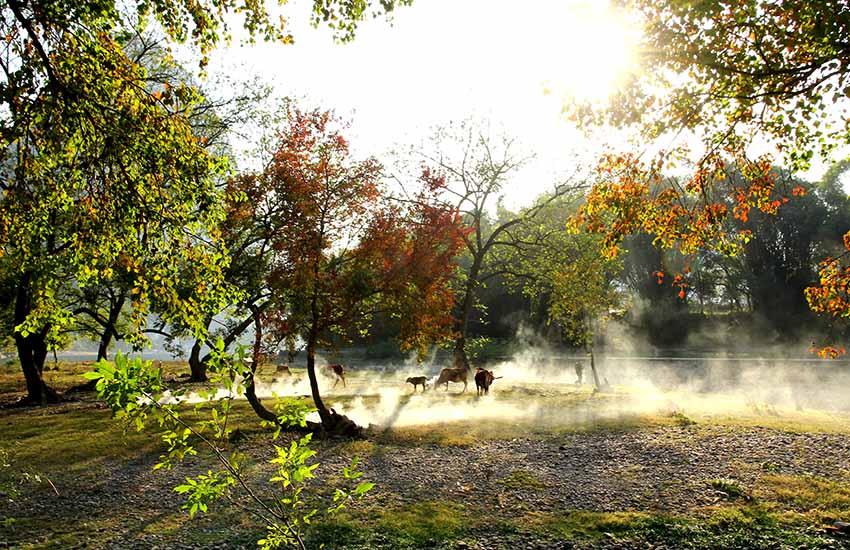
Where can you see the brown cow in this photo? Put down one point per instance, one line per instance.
(417, 381)
(279, 371)
(453, 374)
(339, 371)
(483, 379)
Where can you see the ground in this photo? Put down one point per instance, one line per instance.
(577, 470)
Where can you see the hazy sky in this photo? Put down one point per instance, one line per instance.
(444, 60)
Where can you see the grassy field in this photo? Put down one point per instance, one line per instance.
(756, 476)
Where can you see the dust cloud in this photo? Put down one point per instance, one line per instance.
(540, 386)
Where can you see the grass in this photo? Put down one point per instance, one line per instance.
(521, 480)
(73, 440)
(738, 527)
(730, 489)
(419, 525)
(825, 497)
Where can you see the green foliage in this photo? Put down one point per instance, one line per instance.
(290, 414)
(566, 271)
(476, 345)
(121, 384)
(204, 490)
(343, 16)
(732, 70)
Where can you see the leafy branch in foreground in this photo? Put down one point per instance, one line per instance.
(135, 392)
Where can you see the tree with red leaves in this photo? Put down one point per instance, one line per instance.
(344, 250)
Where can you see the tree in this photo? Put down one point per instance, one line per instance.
(343, 251)
(565, 270)
(732, 73)
(102, 174)
(476, 169)
(659, 310)
(101, 167)
(733, 70)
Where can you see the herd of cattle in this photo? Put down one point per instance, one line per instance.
(483, 378)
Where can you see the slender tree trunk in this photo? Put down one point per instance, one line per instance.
(229, 339)
(32, 349)
(110, 331)
(257, 356)
(324, 413)
(462, 321)
(592, 328)
(197, 367)
(593, 369)
(333, 423)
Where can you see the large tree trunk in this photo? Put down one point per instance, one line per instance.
(462, 321)
(198, 366)
(103, 346)
(32, 349)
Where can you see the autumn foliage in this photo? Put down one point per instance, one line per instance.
(635, 196)
(344, 250)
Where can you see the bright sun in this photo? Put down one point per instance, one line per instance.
(597, 48)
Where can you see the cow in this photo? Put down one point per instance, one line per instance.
(281, 370)
(339, 371)
(452, 374)
(416, 381)
(483, 379)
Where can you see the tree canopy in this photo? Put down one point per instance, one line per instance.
(103, 170)
(733, 73)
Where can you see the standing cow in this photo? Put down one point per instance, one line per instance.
(417, 381)
(483, 379)
(452, 374)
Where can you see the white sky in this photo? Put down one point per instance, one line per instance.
(444, 60)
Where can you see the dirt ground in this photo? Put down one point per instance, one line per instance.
(555, 467)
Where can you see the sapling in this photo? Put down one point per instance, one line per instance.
(135, 392)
